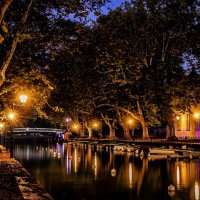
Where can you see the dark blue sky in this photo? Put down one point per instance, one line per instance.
(105, 9)
(113, 4)
(91, 17)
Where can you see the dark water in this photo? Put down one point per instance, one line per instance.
(81, 173)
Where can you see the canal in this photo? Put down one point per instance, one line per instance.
(71, 172)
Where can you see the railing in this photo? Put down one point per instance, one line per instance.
(37, 130)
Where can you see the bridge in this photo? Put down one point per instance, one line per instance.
(38, 130)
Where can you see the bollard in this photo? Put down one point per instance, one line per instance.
(171, 190)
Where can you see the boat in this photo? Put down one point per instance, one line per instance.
(161, 151)
(119, 148)
(130, 148)
(188, 153)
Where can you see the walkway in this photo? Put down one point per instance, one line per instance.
(195, 143)
(15, 182)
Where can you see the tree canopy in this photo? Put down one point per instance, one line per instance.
(140, 59)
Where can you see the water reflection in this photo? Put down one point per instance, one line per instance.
(196, 190)
(178, 176)
(130, 175)
(81, 172)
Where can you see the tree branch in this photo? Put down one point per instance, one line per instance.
(4, 9)
(120, 108)
(10, 54)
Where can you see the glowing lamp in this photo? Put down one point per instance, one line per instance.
(196, 115)
(130, 121)
(68, 119)
(23, 98)
(178, 117)
(11, 116)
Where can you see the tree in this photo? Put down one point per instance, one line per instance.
(32, 33)
(141, 50)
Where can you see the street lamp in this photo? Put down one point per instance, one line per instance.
(196, 115)
(95, 125)
(75, 127)
(11, 117)
(23, 98)
(130, 124)
(1, 129)
(1, 125)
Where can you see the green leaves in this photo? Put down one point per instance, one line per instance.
(21, 37)
(4, 28)
(1, 39)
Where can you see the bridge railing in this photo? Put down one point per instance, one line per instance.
(35, 130)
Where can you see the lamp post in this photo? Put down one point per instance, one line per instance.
(130, 123)
(11, 117)
(96, 125)
(23, 98)
(2, 133)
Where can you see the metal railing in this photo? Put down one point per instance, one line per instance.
(38, 130)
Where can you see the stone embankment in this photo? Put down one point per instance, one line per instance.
(16, 183)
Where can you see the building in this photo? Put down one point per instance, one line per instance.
(187, 125)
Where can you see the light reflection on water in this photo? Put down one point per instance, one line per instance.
(80, 172)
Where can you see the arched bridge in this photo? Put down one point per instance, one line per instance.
(38, 130)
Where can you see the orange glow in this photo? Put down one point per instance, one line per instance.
(178, 117)
(11, 116)
(75, 126)
(1, 125)
(95, 124)
(178, 177)
(130, 121)
(196, 190)
(196, 115)
(23, 98)
(130, 175)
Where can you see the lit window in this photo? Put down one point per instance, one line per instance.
(188, 122)
(178, 121)
(197, 125)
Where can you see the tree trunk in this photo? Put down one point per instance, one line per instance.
(82, 131)
(7, 62)
(10, 53)
(168, 132)
(145, 133)
(4, 8)
(126, 133)
(111, 132)
(110, 125)
(89, 132)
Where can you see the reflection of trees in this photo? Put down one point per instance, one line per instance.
(141, 173)
(128, 172)
(185, 176)
(137, 173)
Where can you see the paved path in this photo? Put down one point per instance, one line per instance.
(16, 183)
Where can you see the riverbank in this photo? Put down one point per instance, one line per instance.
(193, 143)
(16, 183)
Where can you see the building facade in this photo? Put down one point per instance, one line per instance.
(187, 125)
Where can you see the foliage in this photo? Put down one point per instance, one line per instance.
(31, 35)
(141, 49)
